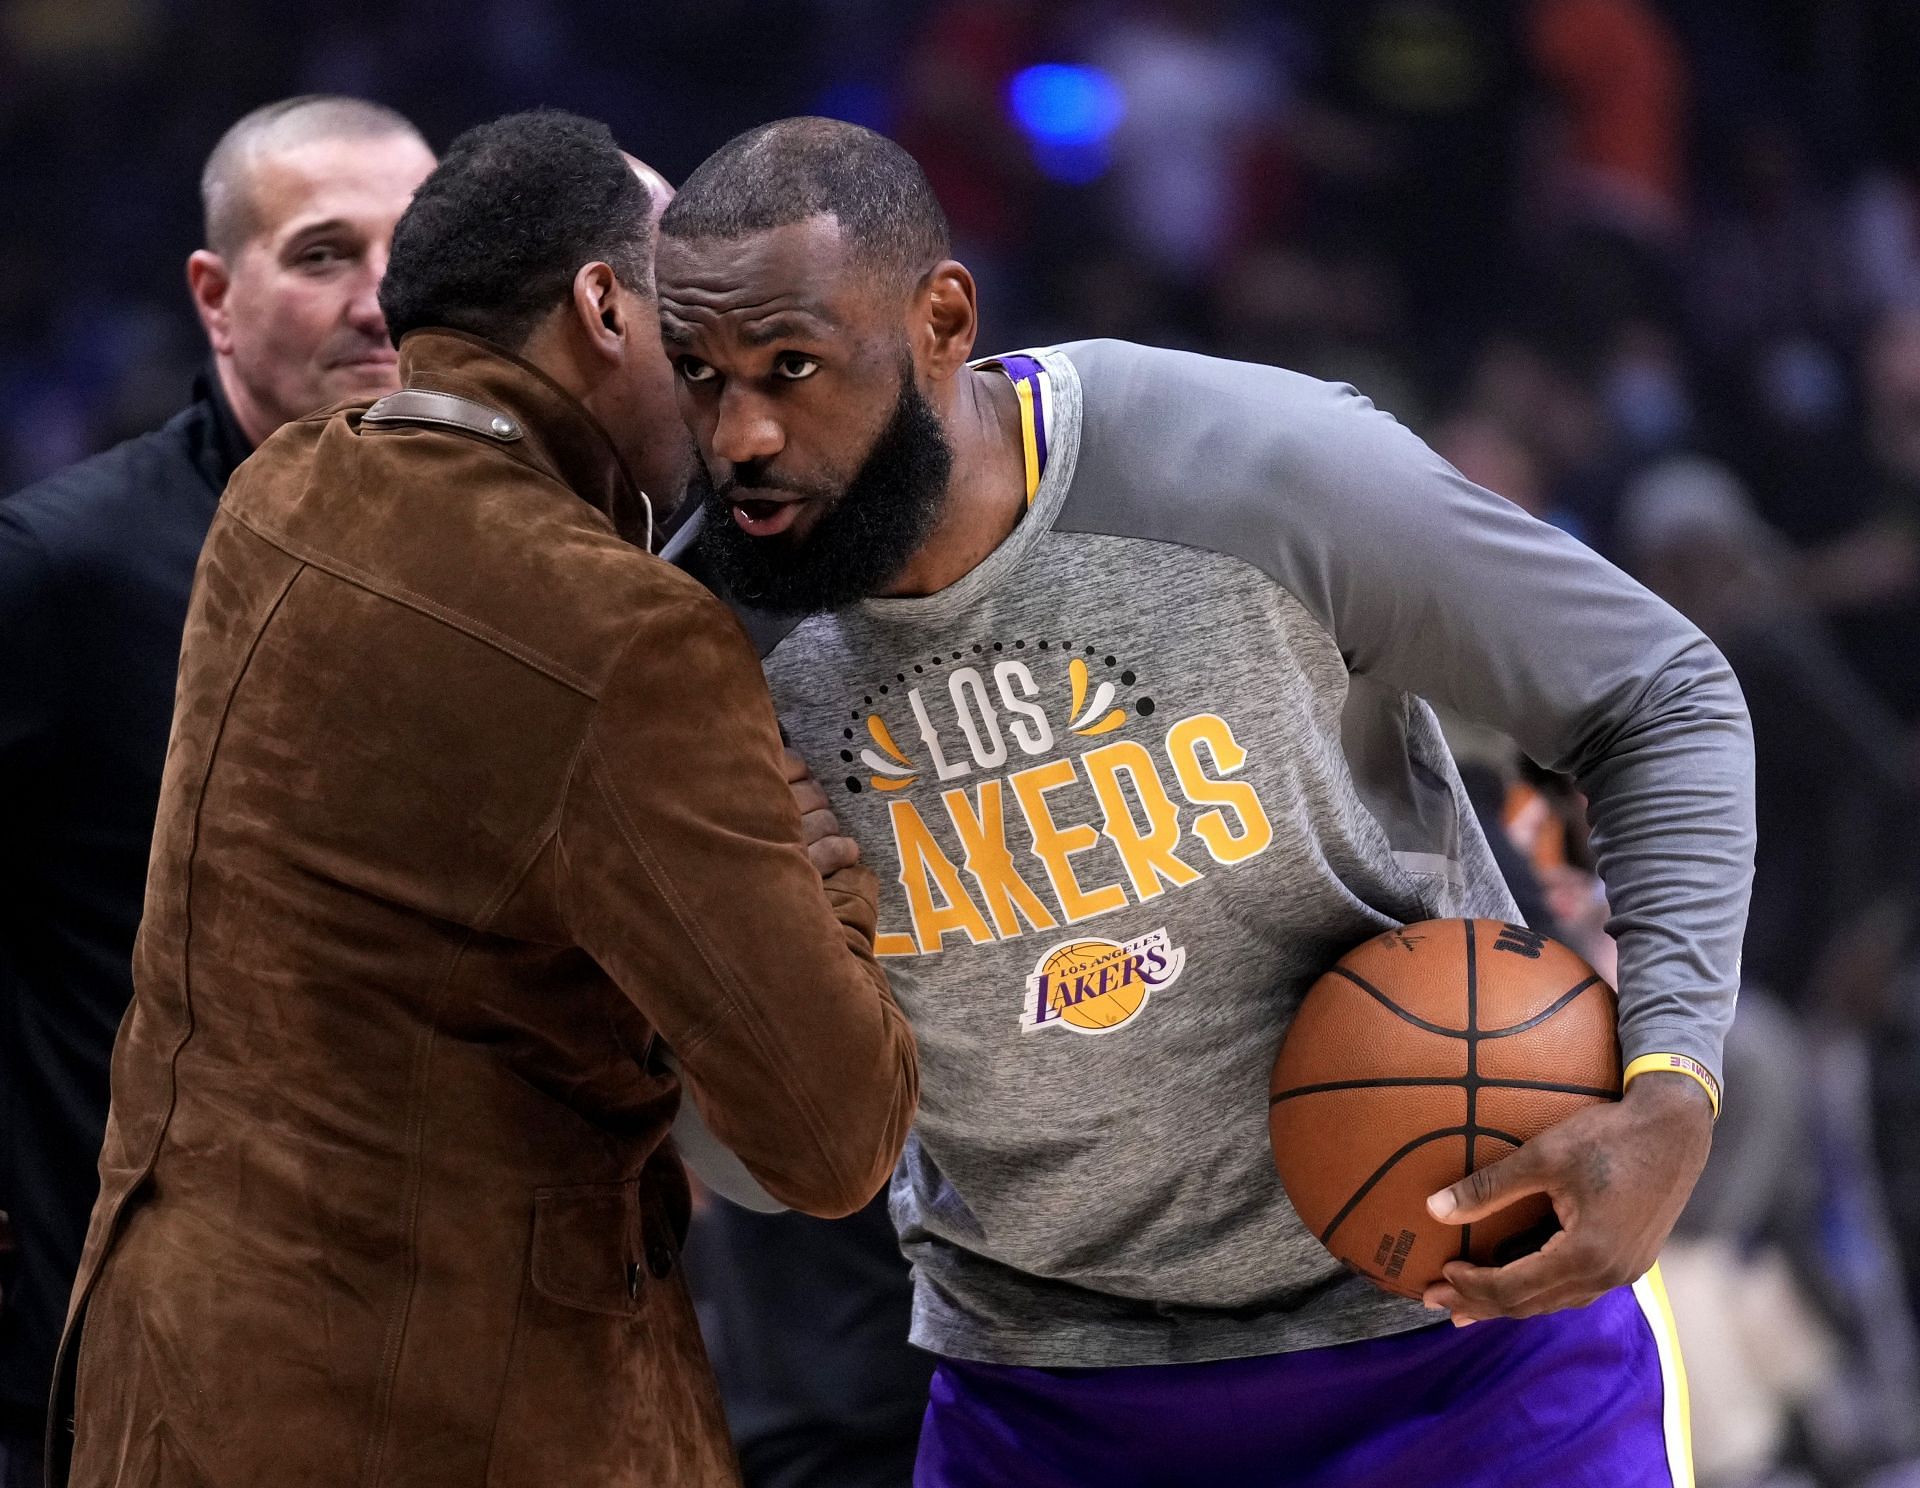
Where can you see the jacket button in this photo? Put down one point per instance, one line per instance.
(660, 1258)
(502, 425)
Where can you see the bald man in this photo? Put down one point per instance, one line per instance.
(96, 564)
(300, 200)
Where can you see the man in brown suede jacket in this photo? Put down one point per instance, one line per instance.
(468, 801)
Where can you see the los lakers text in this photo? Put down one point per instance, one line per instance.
(1007, 818)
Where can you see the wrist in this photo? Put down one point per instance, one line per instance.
(1682, 1065)
(1670, 1090)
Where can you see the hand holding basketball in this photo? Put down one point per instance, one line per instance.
(1617, 1175)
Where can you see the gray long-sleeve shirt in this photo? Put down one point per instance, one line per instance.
(1141, 776)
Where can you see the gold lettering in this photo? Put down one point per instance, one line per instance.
(925, 872)
(1149, 857)
(983, 836)
(1055, 845)
(1183, 750)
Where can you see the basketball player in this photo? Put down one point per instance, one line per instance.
(1113, 660)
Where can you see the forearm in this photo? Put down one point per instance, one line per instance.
(1670, 799)
(686, 875)
(842, 1058)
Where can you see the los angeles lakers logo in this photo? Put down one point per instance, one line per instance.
(1096, 986)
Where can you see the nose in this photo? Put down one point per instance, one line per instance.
(363, 306)
(745, 430)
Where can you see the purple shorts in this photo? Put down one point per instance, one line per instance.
(1595, 1397)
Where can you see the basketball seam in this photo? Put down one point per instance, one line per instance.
(1353, 1200)
(1473, 1079)
(1487, 1082)
(1386, 1167)
(1393, 1007)
(1460, 1033)
(1545, 1013)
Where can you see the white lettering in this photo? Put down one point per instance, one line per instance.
(988, 750)
(1034, 738)
(942, 767)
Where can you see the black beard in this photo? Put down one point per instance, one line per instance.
(864, 538)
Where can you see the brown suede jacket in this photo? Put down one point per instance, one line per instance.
(467, 799)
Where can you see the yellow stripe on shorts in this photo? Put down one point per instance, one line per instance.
(1676, 1410)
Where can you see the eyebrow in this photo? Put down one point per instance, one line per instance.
(318, 229)
(801, 322)
(785, 326)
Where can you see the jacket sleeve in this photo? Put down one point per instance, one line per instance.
(682, 873)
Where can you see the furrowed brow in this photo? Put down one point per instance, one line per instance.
(783, 328)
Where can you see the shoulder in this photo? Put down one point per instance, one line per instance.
(471, 534)
(667, 597)
(129, 510)
(1135, 396)
(86, 504)
(1231, 456)
(630, 620)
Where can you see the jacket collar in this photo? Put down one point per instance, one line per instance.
(561, 437)
(224, 445)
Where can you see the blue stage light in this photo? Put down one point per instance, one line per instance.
(1068, 114)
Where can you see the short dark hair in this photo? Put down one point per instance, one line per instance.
(793, 169)
(493, 238)
(226, 181)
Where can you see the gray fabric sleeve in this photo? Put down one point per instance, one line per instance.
(1433, 586)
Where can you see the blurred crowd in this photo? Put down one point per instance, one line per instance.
(1648, 268)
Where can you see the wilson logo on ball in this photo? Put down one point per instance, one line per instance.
(1096, 986)
(1521, 941)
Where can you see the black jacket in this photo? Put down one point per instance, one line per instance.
(96, 564)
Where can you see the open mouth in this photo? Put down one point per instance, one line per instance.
(763, 517)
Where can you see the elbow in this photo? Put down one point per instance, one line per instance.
(1688, 709)
(1701, 682)
(829, 1201)
(859, 1147)
(839, 1182)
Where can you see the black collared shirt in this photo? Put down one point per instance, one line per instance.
(96, 564)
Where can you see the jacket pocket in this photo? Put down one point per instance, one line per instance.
(587, 1247)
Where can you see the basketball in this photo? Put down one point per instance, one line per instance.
(1424, 1054)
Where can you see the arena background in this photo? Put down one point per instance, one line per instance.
(1650, 269)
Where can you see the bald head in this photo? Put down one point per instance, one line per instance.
(301, 199)
(659, 192)
(228, 193)
(796, 169)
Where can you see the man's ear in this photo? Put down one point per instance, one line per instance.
(600, 309)
(949, 319)
(208, 281)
